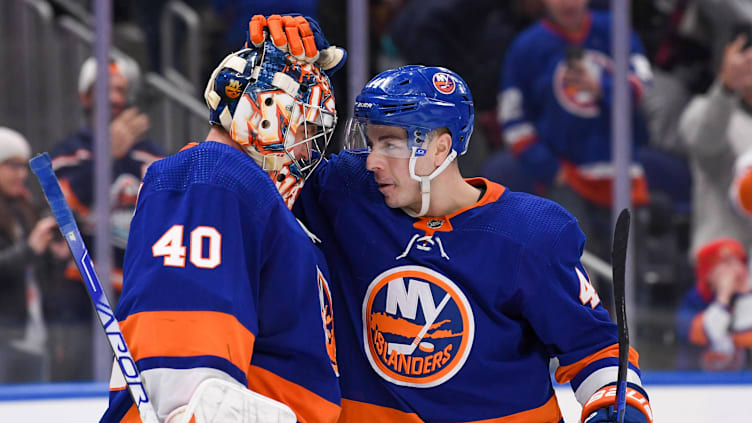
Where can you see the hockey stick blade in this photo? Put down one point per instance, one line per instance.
(619, 263)
(41, 165)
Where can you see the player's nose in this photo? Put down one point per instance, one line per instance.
(374, 161)
(301, 151)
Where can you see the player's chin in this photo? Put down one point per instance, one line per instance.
(391, 201)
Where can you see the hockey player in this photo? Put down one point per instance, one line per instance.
(225, 304)
(452, 294)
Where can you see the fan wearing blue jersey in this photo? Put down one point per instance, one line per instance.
(226, 305)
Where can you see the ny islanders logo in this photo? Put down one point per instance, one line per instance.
(574, 98)
(444, 83)
(418, 326)
(325, 301)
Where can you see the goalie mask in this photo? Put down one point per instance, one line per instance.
(280, 110)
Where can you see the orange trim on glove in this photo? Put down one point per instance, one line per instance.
(606, 396)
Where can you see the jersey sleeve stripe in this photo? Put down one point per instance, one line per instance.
(194, 362)
(743, 339)
(360, 412)
(697, 331)
(308, 406)
(601, 378)
(70, 196)
(565, 373)
(188, 334)
(595, 366)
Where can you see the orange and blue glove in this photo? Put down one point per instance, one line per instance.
(299, 35)
(600, 408)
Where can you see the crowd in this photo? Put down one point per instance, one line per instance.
(540, 73)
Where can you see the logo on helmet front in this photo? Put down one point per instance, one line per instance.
(444, 83)
(233, 89)
(418, 327)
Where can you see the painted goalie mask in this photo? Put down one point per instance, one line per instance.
(280, 110)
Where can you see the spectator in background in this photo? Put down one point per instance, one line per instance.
(72, 159)
(419, 33)
(714, 321)
(26, 243)
(554, 107)
(717, 127)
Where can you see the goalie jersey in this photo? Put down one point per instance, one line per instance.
(221, 281)
(455, 318)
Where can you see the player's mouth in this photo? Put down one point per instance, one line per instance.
(384, 188)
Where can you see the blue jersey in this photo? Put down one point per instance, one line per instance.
(551, 124)
(455, 318)
(222, 281)
(73, 162)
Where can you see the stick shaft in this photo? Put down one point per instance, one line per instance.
(618, 260)
(42, 167)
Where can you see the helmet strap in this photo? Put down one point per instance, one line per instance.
(425, 181)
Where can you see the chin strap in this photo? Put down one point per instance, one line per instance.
(425, 181)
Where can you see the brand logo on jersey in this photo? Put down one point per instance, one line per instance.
(232, 89)
(435, 223)
(444, 83)
(325, 300)
(418, 326)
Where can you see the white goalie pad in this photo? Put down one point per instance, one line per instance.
(219, 401)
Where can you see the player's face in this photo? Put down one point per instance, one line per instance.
(389, 160)
(302, 149)
(567, 13)
(13, 173)
(118, 94)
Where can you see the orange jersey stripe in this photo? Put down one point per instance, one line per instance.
(521, 145)
(599, 190)
(132, 415)
(565, 373)
(743, 339)
(308, 406)
(75, 204)
(189, 145)
(361, 412)
(188, 333)
(744, 191)
(697, 331)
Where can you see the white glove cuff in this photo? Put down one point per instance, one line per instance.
(742, 317)
(716, 321)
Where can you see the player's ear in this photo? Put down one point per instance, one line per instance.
(442, 146)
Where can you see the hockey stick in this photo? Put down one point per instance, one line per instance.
(618, 261)
(42, 167)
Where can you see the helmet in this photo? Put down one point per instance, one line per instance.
(418, 99)
(280, 110)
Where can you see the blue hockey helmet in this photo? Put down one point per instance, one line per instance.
(418, 99)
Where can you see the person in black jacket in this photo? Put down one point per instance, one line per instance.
(27, 249)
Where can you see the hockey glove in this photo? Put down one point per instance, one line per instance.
(299, 35)
(608, 415)
(220, 401)
(601, 406)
